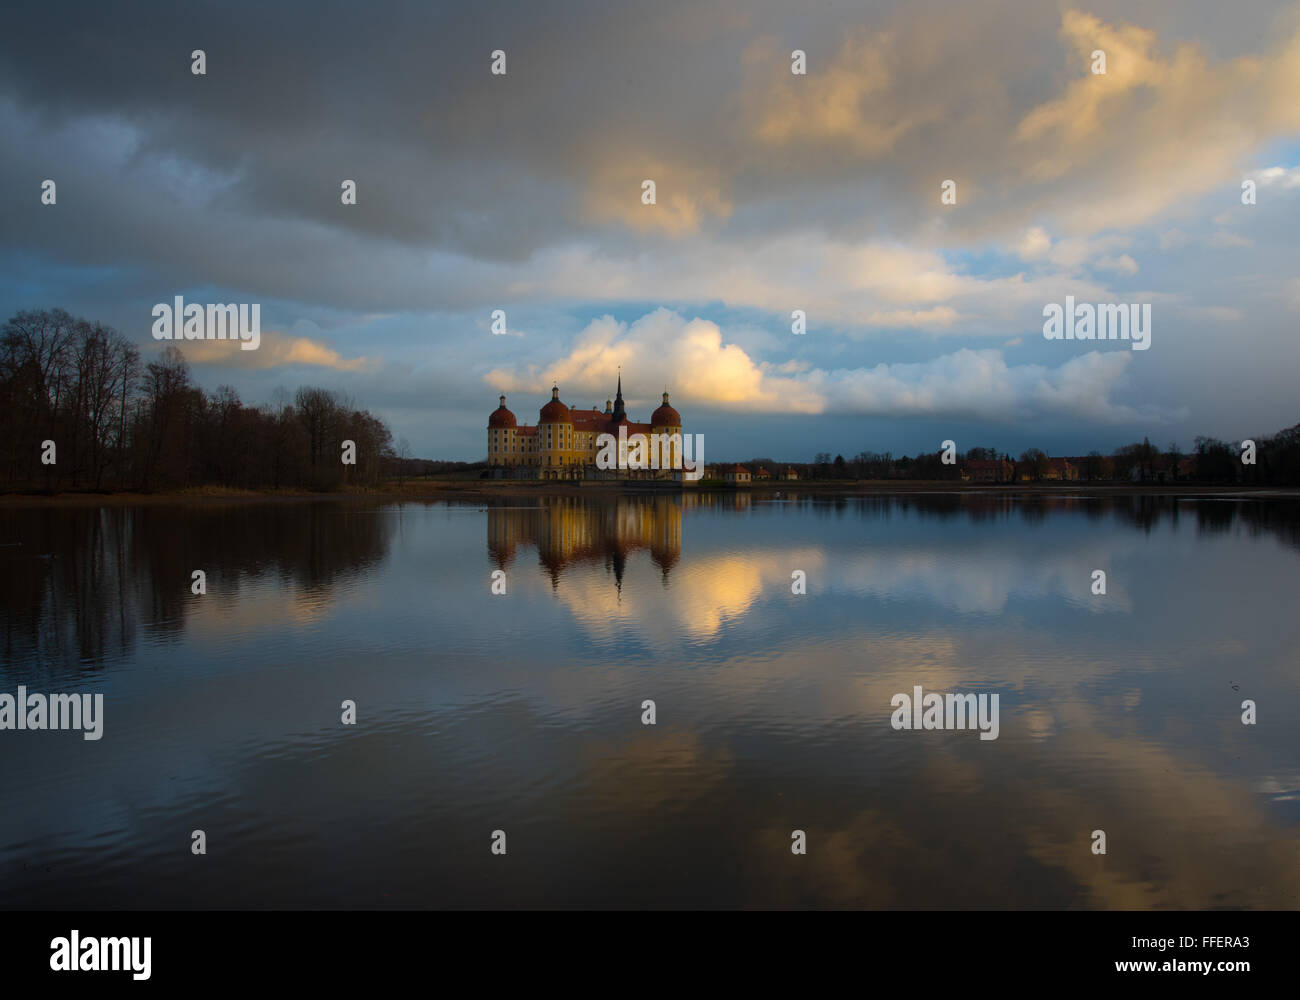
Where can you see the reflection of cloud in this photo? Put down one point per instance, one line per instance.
(707, 593)
(1140, 793)
(986, 576)
(1066, 763)
(1279, 789)
(257, 608)
(644, 776)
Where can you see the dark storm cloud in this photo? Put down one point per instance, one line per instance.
(452, 160)
(478, 192)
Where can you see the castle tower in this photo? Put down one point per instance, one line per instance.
(668, 422)
(620, 411)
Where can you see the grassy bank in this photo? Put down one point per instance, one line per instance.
(425, 489)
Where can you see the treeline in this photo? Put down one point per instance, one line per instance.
(426, 468)
(1276, 463)
(81, 410)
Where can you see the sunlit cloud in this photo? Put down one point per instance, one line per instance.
(277, 350)
(693, 359)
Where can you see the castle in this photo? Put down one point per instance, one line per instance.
(564, 443)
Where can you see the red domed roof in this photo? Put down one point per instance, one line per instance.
(501, 417)
(666, 416)
(554, 412)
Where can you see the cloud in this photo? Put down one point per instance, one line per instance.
(277, 350)
(684, 197)
(1034, 244)
(775, 192)
(694, 360)
(856, 286)
(1071, 254)
(1278, 177)
(852, 102)
(981, 385)
(1153, 129)
(1219, 239)
(1123, 264)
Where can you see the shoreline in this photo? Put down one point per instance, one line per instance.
(436, 490)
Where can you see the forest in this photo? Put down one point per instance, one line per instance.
(116, 422)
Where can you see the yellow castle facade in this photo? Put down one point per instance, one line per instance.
(566, 441)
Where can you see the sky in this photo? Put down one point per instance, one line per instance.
(774, 192)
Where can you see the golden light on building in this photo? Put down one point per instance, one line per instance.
(565, 442)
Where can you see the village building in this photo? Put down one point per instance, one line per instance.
(988, 471)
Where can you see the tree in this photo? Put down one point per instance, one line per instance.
(117, 422)
(106, 369)
(1036, 462)
(403, 458)
(1215, 460)
(165, 424)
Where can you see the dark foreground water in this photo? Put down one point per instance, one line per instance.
(523, 712)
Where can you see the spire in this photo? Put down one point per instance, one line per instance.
(503, 401)
(620, 411)
(555, 392)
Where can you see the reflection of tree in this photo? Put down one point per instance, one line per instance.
(82, 582)
(1278, 516)
(78, 585)
(606, 530)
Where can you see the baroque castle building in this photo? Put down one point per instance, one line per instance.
(565, 442)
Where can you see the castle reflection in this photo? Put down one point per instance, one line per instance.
(568, 530)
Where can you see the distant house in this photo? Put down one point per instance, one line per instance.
(789, 474)
(762, 475)
(738, 474)
(1163, 470)
(988, 471)
(1087, 467)
(1061, 469)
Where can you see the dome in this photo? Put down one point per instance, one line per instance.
(501, 417)
(555, 412)
(665, 416)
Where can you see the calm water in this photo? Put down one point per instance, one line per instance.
(523, 712)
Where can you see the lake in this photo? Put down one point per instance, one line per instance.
(519, 718)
